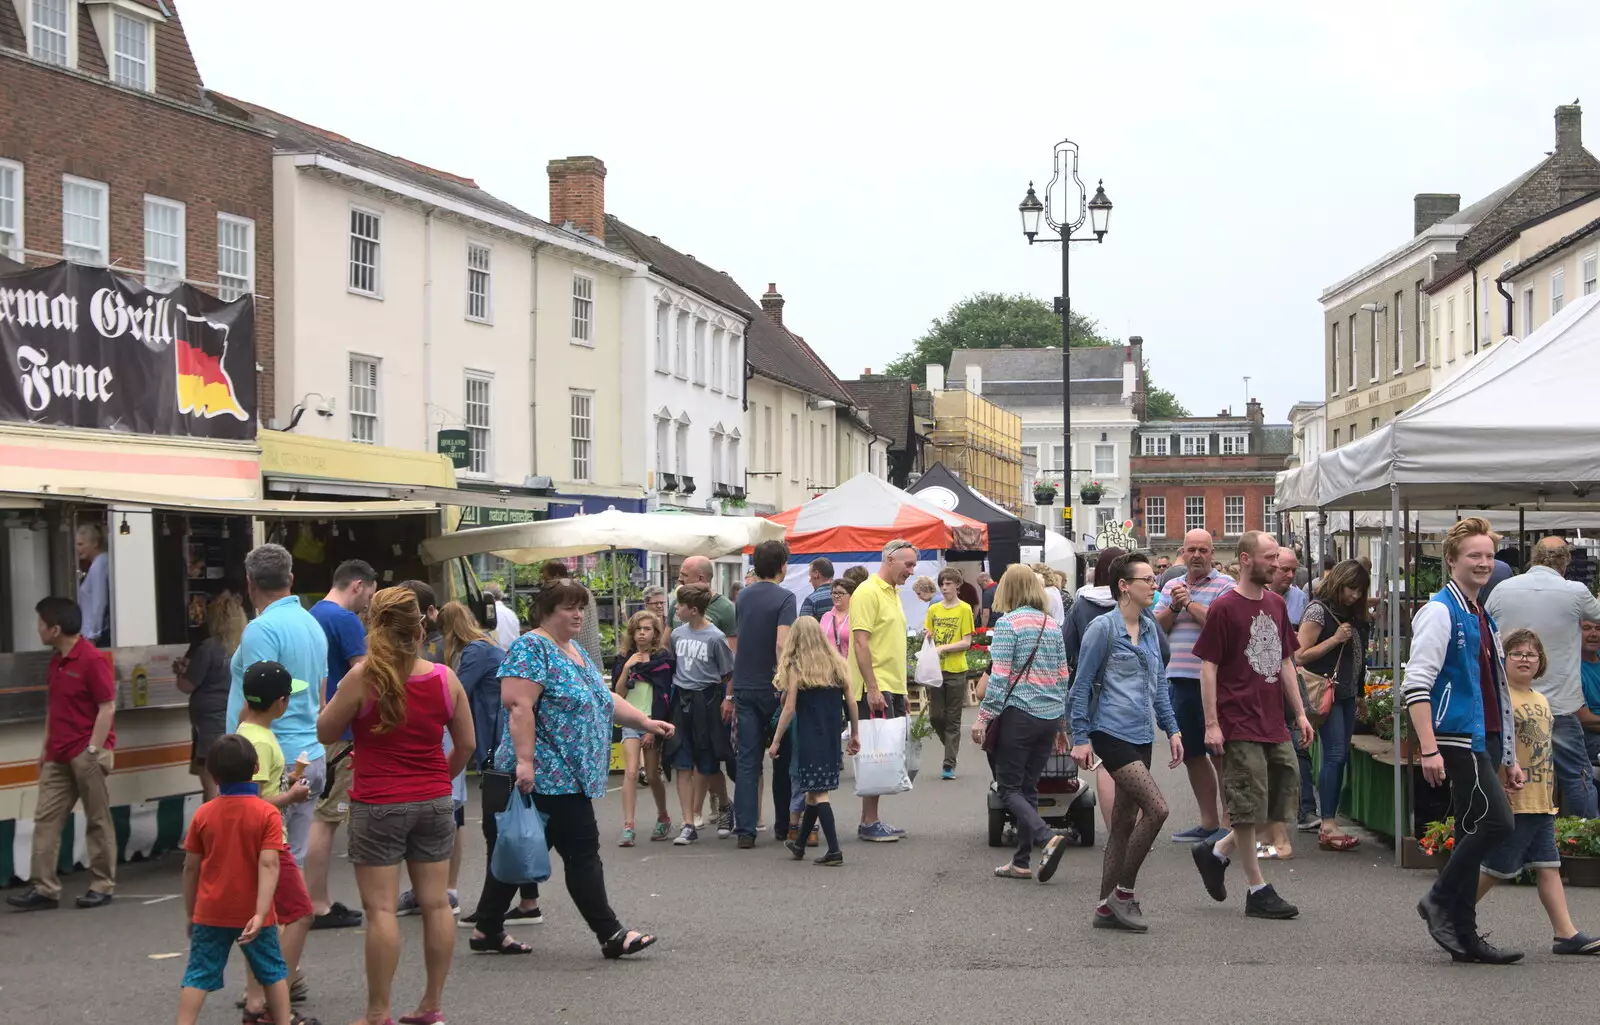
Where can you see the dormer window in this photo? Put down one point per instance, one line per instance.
(130, 51)
(50, 31)
(1235, 444)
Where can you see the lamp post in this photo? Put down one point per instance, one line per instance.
(1098, 211)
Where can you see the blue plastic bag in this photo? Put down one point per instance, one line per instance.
(520, 853)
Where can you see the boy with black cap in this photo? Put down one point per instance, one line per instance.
(267, 687)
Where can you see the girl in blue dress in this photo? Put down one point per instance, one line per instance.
(816, 684)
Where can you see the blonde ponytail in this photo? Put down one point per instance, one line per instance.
(394, 629)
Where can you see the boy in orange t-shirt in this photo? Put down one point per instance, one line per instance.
(230, 874)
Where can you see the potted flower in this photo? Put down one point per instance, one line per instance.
(1091, 491)
(1578, 840)
(1433, 848)
(1044, 491)
(921, 729)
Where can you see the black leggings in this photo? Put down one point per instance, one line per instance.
(573, 833)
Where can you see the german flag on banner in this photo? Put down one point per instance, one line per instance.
(204, 387)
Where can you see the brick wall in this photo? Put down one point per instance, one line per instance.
(1213, 493)
(56, 122)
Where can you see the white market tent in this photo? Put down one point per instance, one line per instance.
(526, 543)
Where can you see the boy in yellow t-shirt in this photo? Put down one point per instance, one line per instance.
(1532, 843)
(950, 623)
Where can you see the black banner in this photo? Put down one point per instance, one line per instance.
(85, 347)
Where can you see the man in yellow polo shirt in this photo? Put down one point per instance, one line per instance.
(878, 658)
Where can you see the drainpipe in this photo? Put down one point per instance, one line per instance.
(1500, 286)
(427, 331)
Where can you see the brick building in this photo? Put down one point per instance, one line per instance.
(1215, 473)
(109, 154)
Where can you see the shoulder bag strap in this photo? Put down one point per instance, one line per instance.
(1027, 667)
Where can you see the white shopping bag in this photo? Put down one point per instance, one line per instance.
(881, 765)
(928, 672)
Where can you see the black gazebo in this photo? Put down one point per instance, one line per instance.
(1007, 533)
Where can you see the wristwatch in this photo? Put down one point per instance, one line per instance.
(94, 752)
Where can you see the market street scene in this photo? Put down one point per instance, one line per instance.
(701, 512)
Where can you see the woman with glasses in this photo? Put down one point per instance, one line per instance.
(655, 600)
(1120, 682)
(1333, 643)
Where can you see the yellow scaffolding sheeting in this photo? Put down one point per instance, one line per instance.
(981, 443)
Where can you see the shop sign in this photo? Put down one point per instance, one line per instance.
(494, 516)
(458, 446)
(85, 347)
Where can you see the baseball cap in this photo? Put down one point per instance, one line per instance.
(266, 682)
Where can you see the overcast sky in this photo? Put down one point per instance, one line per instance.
(869, 157)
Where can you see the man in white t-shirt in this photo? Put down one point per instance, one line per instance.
(507, 627)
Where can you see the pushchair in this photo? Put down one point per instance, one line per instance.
(1066, 801)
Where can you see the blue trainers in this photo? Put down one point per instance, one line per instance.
(948, 774)
(877, 832)
(1196, 834)
(896, 830)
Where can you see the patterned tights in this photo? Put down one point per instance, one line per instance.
(1136, 820)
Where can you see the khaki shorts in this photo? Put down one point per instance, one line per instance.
(387, 834)
(1260, 782)
(336, 806)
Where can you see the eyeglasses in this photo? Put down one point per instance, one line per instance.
(1142, 580)
(1523, 656)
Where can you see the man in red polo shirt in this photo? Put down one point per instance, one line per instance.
(74, 760)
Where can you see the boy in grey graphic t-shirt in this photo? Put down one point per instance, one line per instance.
(704, 666)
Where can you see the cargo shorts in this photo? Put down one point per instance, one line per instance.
(1260, 782)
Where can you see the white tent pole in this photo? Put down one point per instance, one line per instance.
(1400, 768)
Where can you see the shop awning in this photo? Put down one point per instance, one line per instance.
(463, 497)
(291, 509)
(526, 543)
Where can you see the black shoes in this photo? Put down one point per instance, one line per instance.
(746, 841)
(795, 849)
(832, 859)
(338, 917)
(32, 899)
(1265, 903)
(1478, 948)
(94, 899)
(1213, 870)
(1440, 927)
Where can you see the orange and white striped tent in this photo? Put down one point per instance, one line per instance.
(865, 513)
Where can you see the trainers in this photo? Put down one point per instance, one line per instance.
(876, 832)
(1213, 870)
(534, 916)
(1478, 948)
(33, 899)
(725, 824)
(662, 830)
(338, 917)
(688, 836)
(948, 774)
(1193, 835)
(832, 859)
(455, 902)
(746, 841)
(407, 905)
(1440, 926)
(1309, 823)
(896, 830)
(1104, 918)
(1128, 913)
(1265, 903)
(626, 840)
(1577, 943)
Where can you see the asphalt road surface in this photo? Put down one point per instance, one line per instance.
(917, 932)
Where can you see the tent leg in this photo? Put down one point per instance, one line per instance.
(1401, 770)
(616, 595)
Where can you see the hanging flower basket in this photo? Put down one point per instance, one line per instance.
(1044, 492)
(1090, 493)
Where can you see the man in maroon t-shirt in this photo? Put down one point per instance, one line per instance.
(1247, 674)
(74, 759)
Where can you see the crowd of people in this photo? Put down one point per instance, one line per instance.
(367, 709)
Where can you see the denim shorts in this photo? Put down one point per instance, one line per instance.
(210, 945)
(1532, 844)
(628, 734)
(387, 834)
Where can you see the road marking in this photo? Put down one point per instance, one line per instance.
(163, 957)
(158, 900)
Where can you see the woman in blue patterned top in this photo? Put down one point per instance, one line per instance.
(1026, 701)
(556, 745)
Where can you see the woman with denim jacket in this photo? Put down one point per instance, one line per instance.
(1120, 682)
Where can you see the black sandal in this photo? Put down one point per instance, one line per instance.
(265, 1018)
(501, 944)
(620, 946)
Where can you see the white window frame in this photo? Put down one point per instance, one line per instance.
(1031, 450)
(145, 63)
(1155, 516)
(715, 373)
(1527, 311)
(1399, 333)
(1376, 347)
(480, 282)
(580, 432)
(734, 480)
(716, 457)
(375, 240)
(1155, 445)
(1558, 290)
(698, 353)
(1232, 515)
(583, 309)
(663, 337)
(663, 428)
(682, 444)
(735, 364)
(178, 267)
(480, 458)
(1194, 513)
(680, 343)
(67, 33)
(1450, 329)
(13, 208)
(1194, 444)
(227, 288)
(1354, 353)
(1338, 359)
(1421, 311)
(103, 243)
(1268, 511)
(1482, 329)
(1234, 444)
(358, 414)
(1110, 451)
(1589, 271)
(794, 448)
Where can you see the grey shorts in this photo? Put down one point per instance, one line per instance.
(387, 834)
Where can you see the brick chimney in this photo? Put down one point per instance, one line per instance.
(1569, 130)
(1252, 411)
(772, 304)
(578, 194)
(1429, 208)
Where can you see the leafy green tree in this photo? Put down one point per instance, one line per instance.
(1159, 403)
(990, 320)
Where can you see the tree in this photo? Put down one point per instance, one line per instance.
(990, 320)
(1159, 403)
